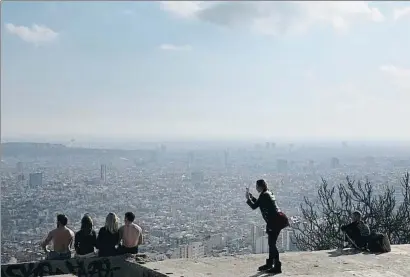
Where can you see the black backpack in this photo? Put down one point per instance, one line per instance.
(379, 243)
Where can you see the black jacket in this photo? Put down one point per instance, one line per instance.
(267, 203)
(85, 241)
(107, 243)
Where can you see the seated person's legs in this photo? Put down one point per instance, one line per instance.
(53, 255)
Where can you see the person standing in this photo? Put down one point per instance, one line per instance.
(130, 235)
(62, 238)
(275, 222)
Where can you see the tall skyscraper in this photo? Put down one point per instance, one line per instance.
(35, 179)
(191, 159)
(20, 173)
(103, 173)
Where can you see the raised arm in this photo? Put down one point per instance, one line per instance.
(253, 202)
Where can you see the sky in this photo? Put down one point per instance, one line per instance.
(205, 70)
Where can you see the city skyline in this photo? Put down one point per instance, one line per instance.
(205, 70)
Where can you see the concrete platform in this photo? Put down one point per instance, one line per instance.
(302, 264)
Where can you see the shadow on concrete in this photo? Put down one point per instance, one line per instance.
(343, 252)
(260, 274)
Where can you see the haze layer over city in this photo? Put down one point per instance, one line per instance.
(172, 109)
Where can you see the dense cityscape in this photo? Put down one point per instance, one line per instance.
(189, 202)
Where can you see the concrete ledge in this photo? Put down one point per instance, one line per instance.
(118, 266)
(302, 264)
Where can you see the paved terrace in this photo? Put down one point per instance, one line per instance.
(298, 264)
(301, 264)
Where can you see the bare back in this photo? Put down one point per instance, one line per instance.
(131, 235)
(62, 239)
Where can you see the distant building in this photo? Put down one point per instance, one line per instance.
(35, 179)
(193, 250)
(256, 234)
(19, 167)
(103, 173)
(213, 241)
(334, 162)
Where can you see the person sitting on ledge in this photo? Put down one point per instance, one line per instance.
(85, 239)
(356, 232)
(130, 235)
(108, 237)
(62, 238)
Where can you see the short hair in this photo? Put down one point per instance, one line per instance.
(358, 214)
(262, 184)
(86, 223)
(62, 219)
(130, 216)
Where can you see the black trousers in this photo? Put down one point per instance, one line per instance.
(273, 250)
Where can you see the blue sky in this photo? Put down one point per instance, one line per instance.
(217, 70)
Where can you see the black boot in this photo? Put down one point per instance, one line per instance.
(267, 266)
(276, 269)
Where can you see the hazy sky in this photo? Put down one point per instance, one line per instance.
(206, 69)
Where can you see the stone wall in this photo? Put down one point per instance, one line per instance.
(97, 267)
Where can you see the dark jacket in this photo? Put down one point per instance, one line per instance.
(267, 204)
(85, 241)
(107, 243)
(358, 231)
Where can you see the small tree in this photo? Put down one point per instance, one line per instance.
(319, 228)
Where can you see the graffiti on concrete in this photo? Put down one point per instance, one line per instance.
(78, 267)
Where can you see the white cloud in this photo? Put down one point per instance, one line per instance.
(172, 47)
(400, 76)
(400, 13)
(276, 17)
(182, 8)
(36, 34)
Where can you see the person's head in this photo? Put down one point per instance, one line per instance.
(261, 185)
(111, 223)
(86, 223)
(356, 216)
(129, 217)
(62, 220)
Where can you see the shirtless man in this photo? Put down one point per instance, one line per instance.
(62, 238)
(130, 235)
